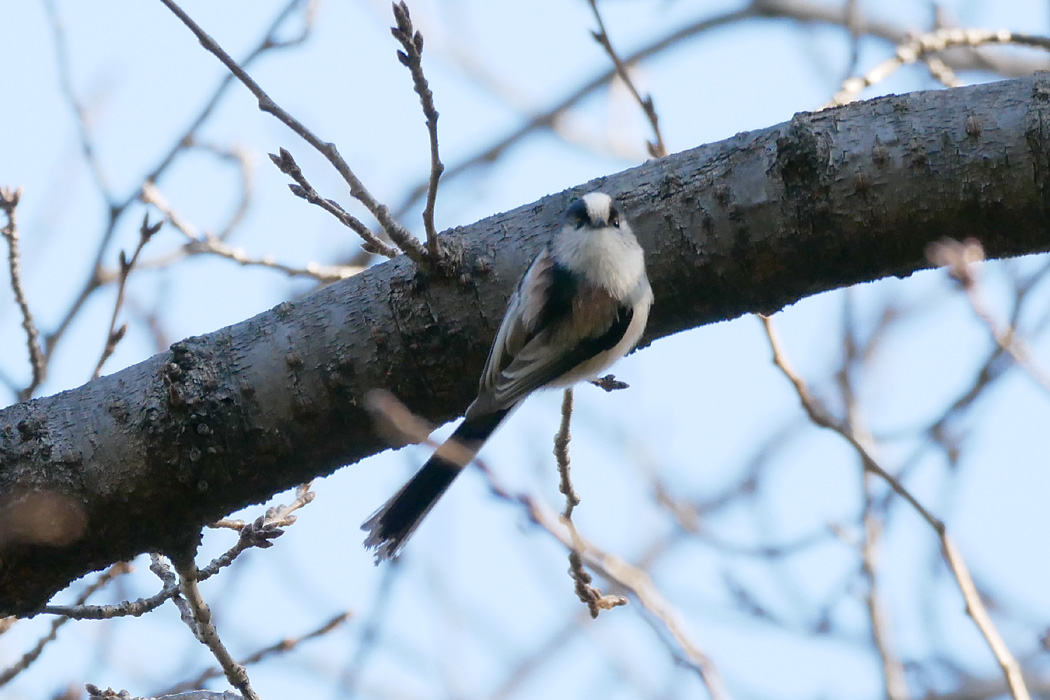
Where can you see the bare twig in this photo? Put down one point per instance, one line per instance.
(114, 336)
(938, 67)
(614, 569)
(412, 58)
(657, 149)
(160, 566)
(942, 72)
(303, 189)
(263, 530)
(281, 647)
(397, 233)
(243, 159)
(545, 119)
(30, 656)
(961, 259)
(938, 431)
(204, 629)
(213, 245)
(134, 608)
(919, 47)
(179, 146)
(96, 693)
(406, 427)
(800, 11)
(852, 12)
(9, 205)
(65, 79)
(561, 454)
(807, 12)
(819, 415)
(592, 597)
(527, 667)
(259, 533)
(892, 668)
(639, 584)
(269, 43)
(589, 595)
(370, 629)
(232, 154)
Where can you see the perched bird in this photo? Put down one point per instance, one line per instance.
(580, 307)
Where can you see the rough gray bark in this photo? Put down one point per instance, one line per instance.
(139, 460)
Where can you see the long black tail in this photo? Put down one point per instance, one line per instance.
(390, 527)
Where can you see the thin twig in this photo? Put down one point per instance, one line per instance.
(819, 415)
(370, 629)
(640, 585)
(919, 47)
(179, 146)
(114, 336)
(852, 12)
(961, 260)
(65, 79)
(213, 245)
(942, 72)
(561, 454)
(303, 189)
(9, 205)
(244, 161)
(235, 154)
(161, 567)
(589, 595)
(796, 10)
(263, 530)
(96, 693)
(403, 426)
(631, 578)
(657, 149)
(892, 668)
(259, 533)
(990, 371)
(281, 647)
(397, 233)
(412, 58)
(548, 117)
(528, 667)
(204, 629)
(127, 608)
(269, 43)
(30, 656)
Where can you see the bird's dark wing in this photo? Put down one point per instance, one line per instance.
(552, 307)
(520, 319)
(536, 366)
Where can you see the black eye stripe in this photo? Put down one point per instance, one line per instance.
(577, 215)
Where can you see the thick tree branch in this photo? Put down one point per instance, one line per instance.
(143, 458)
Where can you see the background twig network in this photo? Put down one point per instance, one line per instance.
(847, 490)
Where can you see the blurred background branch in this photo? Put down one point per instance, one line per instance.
(760, 555)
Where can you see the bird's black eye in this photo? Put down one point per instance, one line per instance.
(614, 218)
(577, 216)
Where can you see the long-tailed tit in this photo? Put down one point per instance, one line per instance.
(580, 306)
